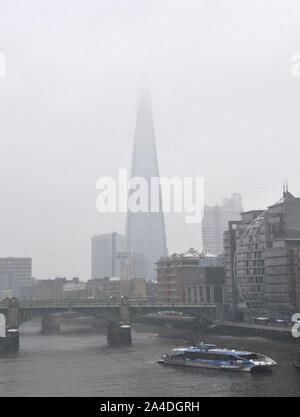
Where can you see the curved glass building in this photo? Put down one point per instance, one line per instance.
(262, 257)
(249, 267)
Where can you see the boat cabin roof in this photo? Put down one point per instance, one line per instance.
(232, 352)
(220, 351)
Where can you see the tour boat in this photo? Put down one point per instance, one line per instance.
(209, 356)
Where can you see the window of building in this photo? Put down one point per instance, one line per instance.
(208, 297)
(218, 294)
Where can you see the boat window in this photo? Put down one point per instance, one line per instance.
(221, 357)
(178, 356)
(210, 356)
(251, 356)
(197, 355)
(194, 355)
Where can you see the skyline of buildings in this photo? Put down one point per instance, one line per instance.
(257, 274)
(105, 289)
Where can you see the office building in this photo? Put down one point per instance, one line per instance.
(145, 231)
(262, 261)
(215, 222)
(182, 279)
(16, 272)
(104, 259)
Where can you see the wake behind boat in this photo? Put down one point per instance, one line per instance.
(209, 356)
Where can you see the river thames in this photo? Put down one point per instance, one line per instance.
(79, 363)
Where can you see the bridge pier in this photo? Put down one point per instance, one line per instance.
(49, 323)
(12, 340)
(10, 343)
(119, 334)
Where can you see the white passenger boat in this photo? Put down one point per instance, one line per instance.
(209, 356)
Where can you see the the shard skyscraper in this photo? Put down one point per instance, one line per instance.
(145, 231)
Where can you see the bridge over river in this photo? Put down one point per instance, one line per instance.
(119, 315)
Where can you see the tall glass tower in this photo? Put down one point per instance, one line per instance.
(145, 231)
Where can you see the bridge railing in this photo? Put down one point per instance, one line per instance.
(62, 303)
(100, 302)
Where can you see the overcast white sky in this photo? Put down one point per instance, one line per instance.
(225, 107)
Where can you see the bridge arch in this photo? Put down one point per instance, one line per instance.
(137, 313)
(26, 315)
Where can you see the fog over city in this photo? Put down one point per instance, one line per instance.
(225, 107)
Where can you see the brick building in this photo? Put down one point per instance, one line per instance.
(181, 279)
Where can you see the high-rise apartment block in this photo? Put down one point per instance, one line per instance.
(215, 222)
(105, 248)
(16, 273)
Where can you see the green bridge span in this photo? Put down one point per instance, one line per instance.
(18, 312)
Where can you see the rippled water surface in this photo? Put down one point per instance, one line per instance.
(81, 364)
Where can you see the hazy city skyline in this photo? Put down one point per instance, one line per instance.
(225, 107)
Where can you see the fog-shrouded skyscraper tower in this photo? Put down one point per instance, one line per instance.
(215, 222)
(145, 231)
